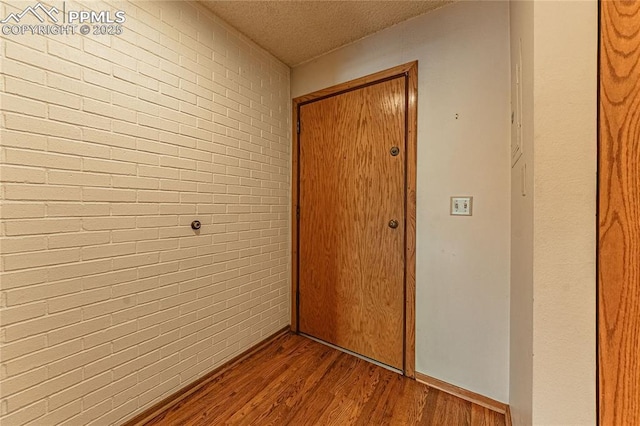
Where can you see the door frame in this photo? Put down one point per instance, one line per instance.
(617, 265)
(410, 72)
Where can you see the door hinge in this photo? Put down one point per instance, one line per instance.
(298, 127)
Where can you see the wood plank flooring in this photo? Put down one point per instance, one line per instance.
(297, 381)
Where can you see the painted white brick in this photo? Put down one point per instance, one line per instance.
(81, 298)
(41, 159)
(43, 390)
(58, 416)
(40, 94)
(26, 415)
(78, 330)
(10, 210)
(41, 226)
(23, 71)
(110, 148)
(78, 239)
(78, 148)
(22, 105)
(40, 258)
(42, 358)
(76, 87)
(22, 244)
(109, 334)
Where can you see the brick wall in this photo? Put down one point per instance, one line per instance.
(110, 147)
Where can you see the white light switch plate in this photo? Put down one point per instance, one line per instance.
(461, 206)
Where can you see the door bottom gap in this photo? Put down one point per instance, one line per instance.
(347, 351)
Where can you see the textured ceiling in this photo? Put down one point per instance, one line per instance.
(296, 31)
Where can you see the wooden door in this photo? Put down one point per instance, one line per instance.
(352, 220)
(619, 215)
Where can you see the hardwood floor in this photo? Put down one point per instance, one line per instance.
(297, 381)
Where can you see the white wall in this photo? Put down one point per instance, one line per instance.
(462, 263)
(564, 301)
(521, 322)
(553, 282)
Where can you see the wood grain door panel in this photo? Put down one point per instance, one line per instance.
(351, 263)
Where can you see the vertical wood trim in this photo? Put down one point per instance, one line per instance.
(410, 71)
(507, 417)
(410, 228)
(294, 220)
(619, 214)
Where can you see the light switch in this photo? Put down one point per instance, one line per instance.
(461, 206)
